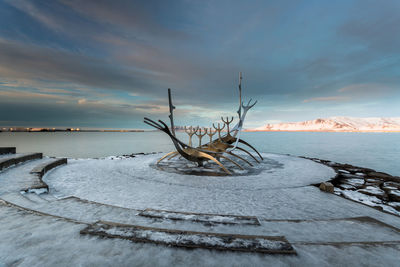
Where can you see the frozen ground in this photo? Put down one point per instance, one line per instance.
(31, 240)
(324, 229)
(131, 183)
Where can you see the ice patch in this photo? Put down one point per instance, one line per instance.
(37, 191)
(132, 183)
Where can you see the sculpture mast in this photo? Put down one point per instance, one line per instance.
(240, 96)
(171, 112)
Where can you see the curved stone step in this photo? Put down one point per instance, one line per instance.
(19, 178)
(84, 211)
(13, 160)
(358, 229)
(49, 197)
(200, 217)
(19, 200)
(34, 197)
(41, 169)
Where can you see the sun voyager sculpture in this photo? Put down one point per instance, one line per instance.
(223, 147)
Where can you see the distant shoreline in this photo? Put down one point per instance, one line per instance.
(141, 131)
(75, 131)
(323, 131)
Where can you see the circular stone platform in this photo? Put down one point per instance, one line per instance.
(137, 183)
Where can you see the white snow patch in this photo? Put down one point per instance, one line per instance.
(359, 197)
(354, 181)
(209, 218)
(338, 124)
(373, 190)
(395, 192)
(37, 191)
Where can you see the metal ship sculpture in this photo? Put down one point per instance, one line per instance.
(222, 147)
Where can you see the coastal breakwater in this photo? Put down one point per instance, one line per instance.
(364, 185)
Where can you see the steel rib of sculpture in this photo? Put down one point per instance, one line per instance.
(214, 150)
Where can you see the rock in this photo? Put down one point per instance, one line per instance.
(378, 207)
(395, 205)
(390, 186)
(394, 195)
(351, 176)
(355, 170)
(331, 163)
(346, 187)
(373, 182)
(373, 191)
(395, 179)
(381, 175)
(356, 182)
(343, 171)
(326, 187)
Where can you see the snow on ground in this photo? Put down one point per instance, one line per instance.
(277, 194)
(16, 178)
(3, 156)
(32, 240)
(340, 124)
(132, 183)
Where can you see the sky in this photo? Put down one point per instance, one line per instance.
(108, 64)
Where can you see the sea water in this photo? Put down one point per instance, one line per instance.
(379, 151)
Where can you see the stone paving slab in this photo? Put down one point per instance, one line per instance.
(200, 217)
(191, 239)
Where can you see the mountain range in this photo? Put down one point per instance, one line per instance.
(337, 124)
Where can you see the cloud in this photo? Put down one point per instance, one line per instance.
(84, 19)
(326, 98)
(82, 101)
(374, 26)
(135, 16)
(32, 10)
(357, 92)
(368, 89)
(20, 61)
(119, 57)
(26, 96)
(56, 91)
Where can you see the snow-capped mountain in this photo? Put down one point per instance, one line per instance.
(337, 124)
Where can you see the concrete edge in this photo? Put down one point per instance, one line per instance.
(5, 163)
(7, 150)
(42, 169)
(254, 219)
(91, 229)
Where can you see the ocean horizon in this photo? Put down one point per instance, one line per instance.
(370, 150)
